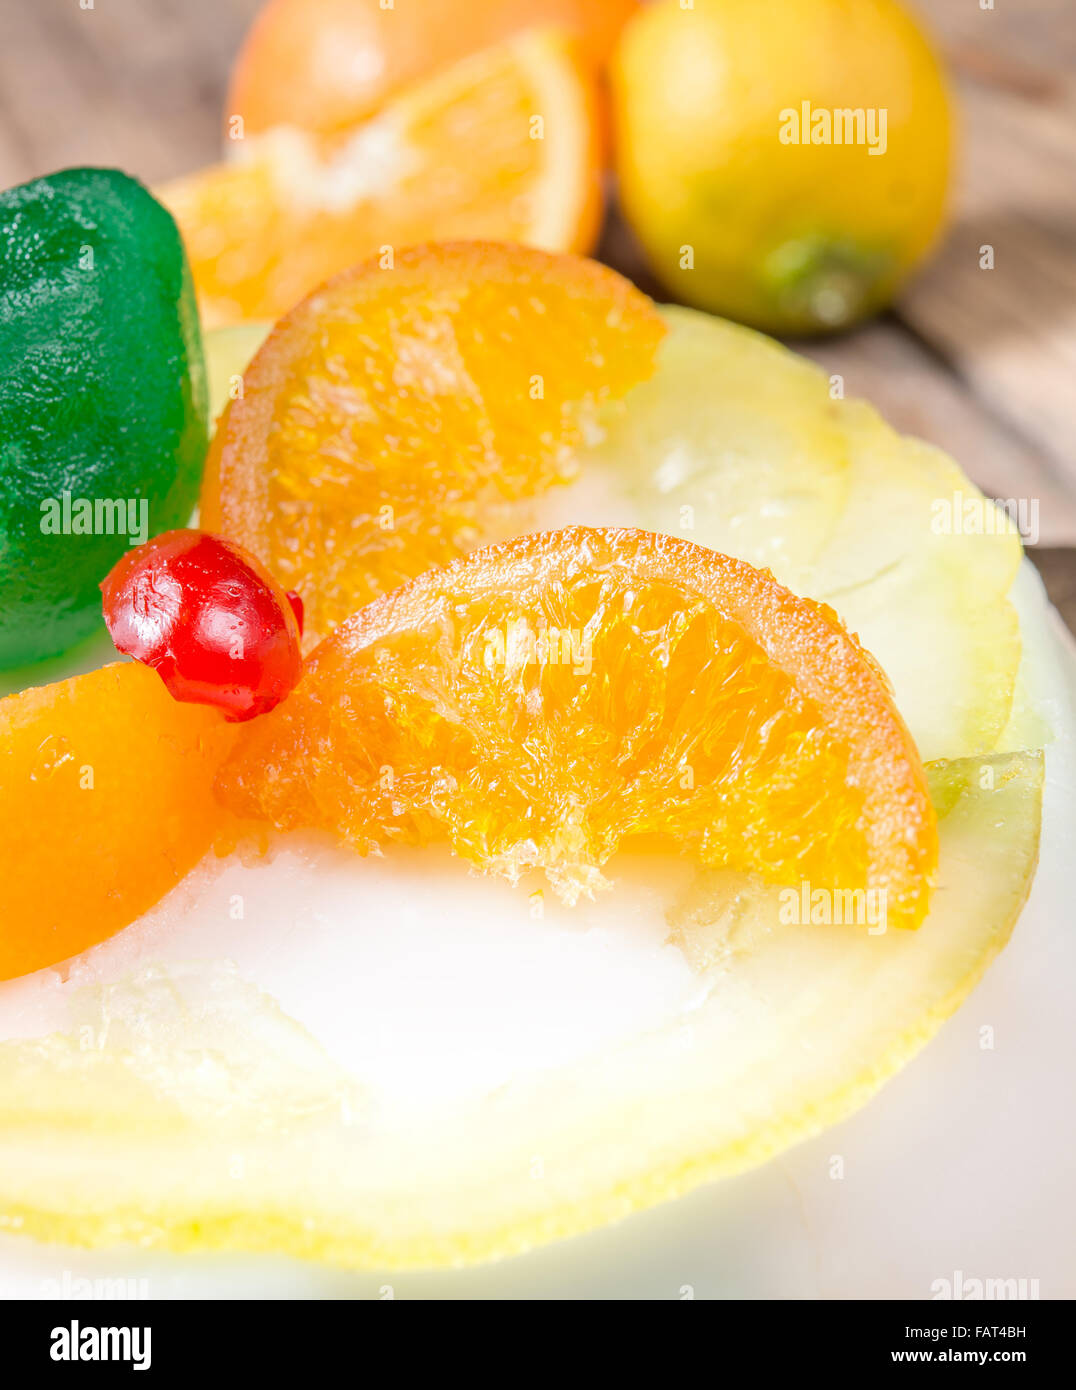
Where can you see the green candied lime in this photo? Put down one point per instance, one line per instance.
(103, 402)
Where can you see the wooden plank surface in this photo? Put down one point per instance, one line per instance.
(138, 83)
(1010, 331)
(981, 362)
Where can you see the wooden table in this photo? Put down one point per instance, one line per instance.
(980, 362)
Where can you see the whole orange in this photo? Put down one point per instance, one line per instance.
(324, 65)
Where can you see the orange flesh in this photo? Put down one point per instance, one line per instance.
(106, 802)
(458, 157)
(391, 421)
(542, 700)
(326, 64)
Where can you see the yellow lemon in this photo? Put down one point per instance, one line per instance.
(783, 162)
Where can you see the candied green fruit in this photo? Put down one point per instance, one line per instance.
(103, 402)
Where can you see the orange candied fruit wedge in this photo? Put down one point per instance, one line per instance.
(393, 420)
(542, 701)
(106, 803)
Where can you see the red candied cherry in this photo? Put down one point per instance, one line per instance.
(209, 618)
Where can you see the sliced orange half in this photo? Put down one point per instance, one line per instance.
(542, 700)
(503, 145)
(324, 65)
(390, 420)
(106, 803)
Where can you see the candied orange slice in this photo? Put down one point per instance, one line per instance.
(543, 700)
(106, 802)
(505, 145)
(390, 420)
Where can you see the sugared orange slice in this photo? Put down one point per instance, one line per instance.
(542, 700)
(391, 419)
(105, 801)
(504, 145)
